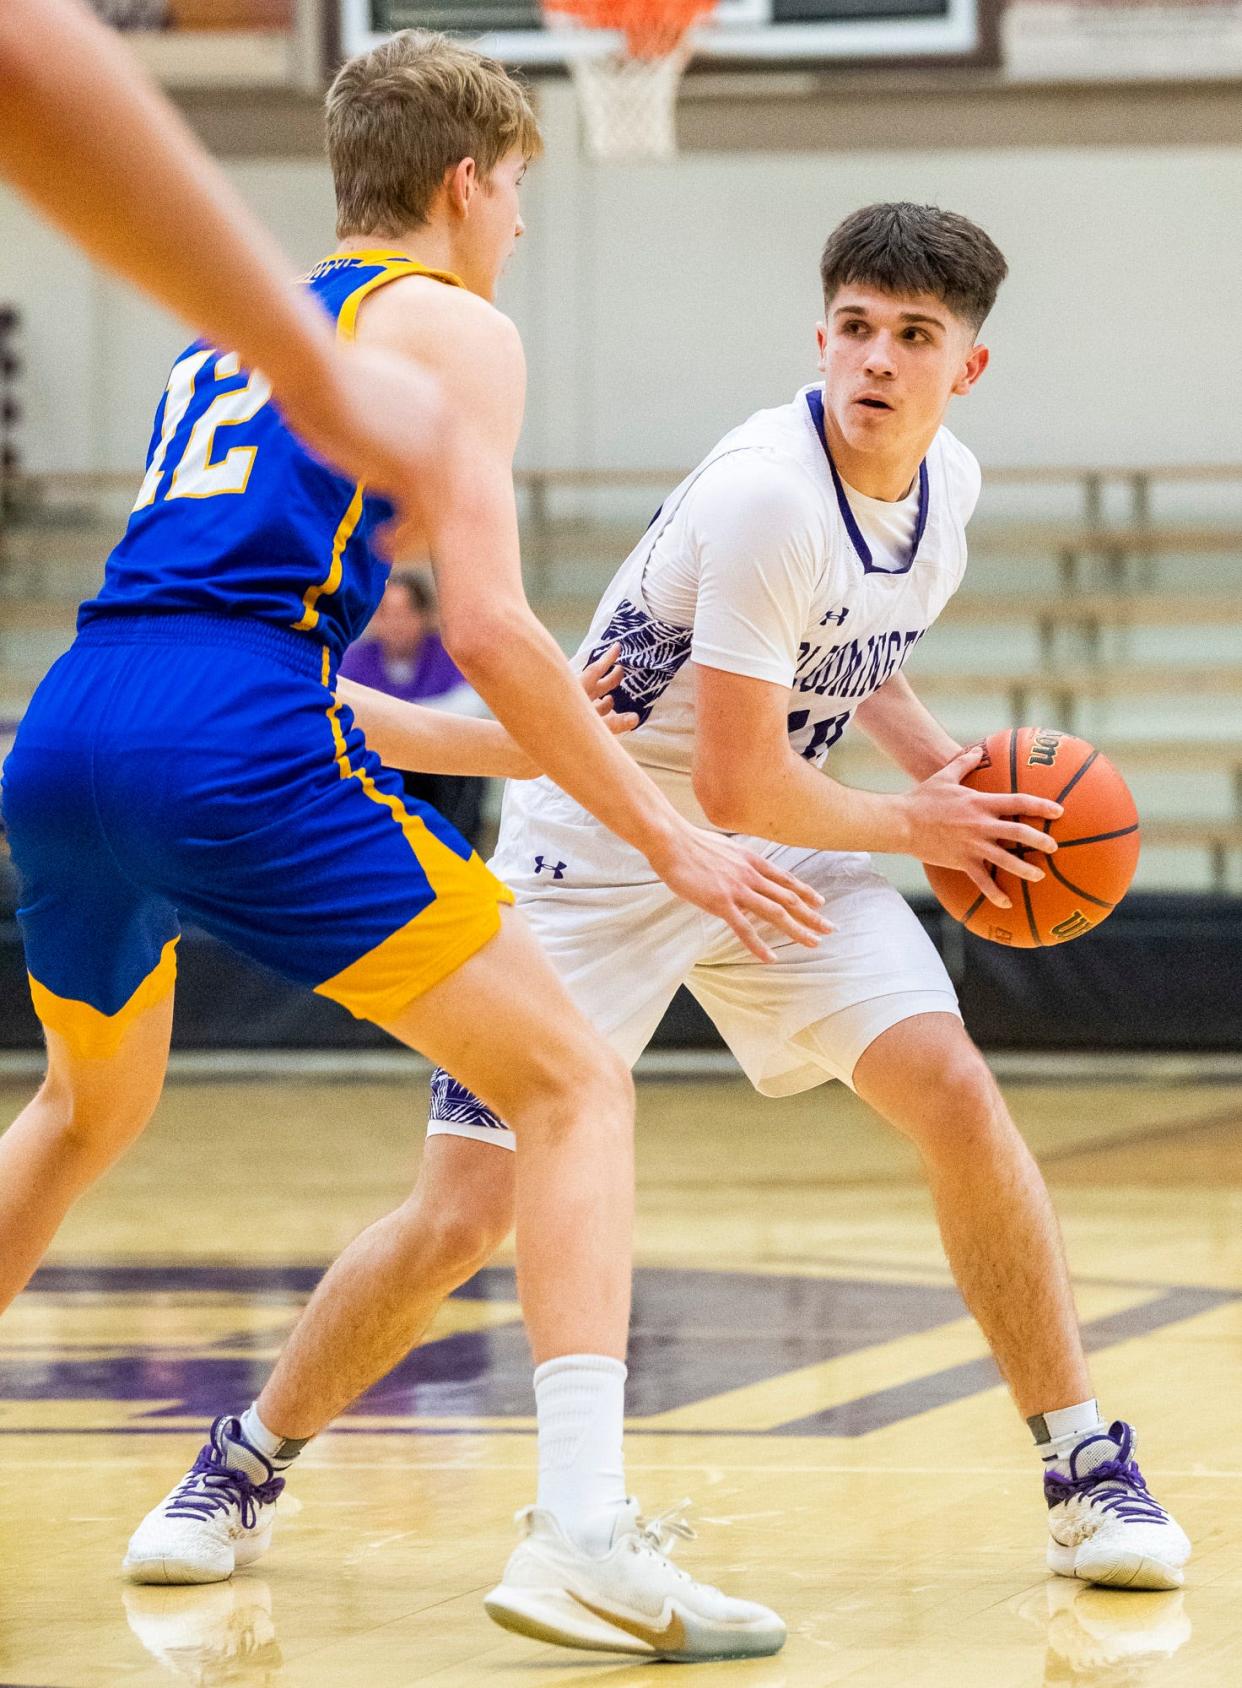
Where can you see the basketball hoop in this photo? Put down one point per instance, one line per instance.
(626, 58)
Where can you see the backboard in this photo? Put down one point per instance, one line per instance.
(742, 31)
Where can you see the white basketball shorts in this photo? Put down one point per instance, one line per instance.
(624, 943)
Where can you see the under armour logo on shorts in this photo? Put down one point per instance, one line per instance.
(556, 869)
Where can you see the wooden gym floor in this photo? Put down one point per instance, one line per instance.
(802, 1368)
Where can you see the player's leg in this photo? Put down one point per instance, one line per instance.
(1000, 1234)
(540, 1072)
(875, 1008)
(504, 1024)
(588, 1573)
(101, 955)
(389, 1280)
(925, 1076)
(86, 1113)
(377, 1298)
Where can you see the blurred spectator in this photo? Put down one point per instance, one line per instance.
(403, 656)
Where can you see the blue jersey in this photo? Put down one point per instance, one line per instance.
(235, 515)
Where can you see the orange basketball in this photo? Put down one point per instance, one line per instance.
(1097, 842)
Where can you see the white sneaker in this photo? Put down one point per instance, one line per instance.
(632, 1600)
(1104, 1526)
(216, 1520)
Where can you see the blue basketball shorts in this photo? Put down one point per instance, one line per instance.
(200, 767)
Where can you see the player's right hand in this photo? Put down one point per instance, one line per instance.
(739, 887)
(976, 832)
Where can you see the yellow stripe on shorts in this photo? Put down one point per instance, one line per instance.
(463, 917)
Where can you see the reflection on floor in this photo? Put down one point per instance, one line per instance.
(801, 1366)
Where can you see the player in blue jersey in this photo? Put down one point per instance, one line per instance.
(190, 755)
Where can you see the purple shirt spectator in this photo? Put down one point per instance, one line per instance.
(425, 677)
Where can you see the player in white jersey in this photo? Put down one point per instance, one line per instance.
(772, 601)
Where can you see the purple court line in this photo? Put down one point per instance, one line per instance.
(156, 1279)
(955, 1383)
(489, 1284)
(849, 1419)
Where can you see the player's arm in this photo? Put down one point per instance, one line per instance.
(900, 724)
(510, 659)
(749, 778)
(760, 545)
(88, 140)
(430, 741)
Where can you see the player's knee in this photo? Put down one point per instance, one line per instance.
(590, 1082)
(467, 1230)
(959, 1096)
(91, 1120)
(604, 1087)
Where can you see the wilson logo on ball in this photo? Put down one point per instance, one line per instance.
(1044, 750)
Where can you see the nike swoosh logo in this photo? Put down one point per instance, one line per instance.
(670, 1639)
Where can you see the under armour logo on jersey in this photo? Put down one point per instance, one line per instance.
(834, 615)
(556, 869)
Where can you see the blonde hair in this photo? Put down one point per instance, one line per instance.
(404, 114)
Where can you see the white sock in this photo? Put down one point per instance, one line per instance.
(580, 1403)
(279, 1451)
(1058, 1433)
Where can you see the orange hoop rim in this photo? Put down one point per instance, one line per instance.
(652, 28)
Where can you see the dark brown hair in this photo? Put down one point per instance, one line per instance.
(907, 249)
(404, 114)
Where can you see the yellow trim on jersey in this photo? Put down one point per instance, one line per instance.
(92, 1035)
(332, 580)
(397, 265)
(463, 917)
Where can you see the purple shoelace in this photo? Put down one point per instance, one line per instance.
(213, 1486)
(1125, 1491)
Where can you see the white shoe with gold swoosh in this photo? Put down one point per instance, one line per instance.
(631, 1600)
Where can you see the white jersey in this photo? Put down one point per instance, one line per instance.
(763, 563)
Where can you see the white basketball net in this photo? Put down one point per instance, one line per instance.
(628, 104)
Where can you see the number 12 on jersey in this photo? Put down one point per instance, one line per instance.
(196, 474)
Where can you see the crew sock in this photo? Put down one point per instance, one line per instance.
(580, 1404)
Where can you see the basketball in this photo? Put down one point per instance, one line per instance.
(1097, 842)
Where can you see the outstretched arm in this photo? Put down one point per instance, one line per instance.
(88, 140)
(429, 741)
(896, 720)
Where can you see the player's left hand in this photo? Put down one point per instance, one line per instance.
(599, 680)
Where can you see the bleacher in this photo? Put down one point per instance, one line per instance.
(1105, 602)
